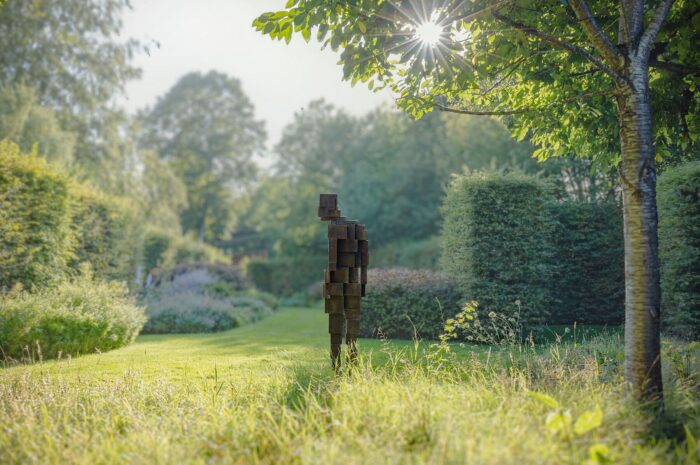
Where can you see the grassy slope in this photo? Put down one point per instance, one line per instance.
(264, 394)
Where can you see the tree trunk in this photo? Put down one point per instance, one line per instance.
(642, 278)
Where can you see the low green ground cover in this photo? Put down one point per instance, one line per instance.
(264, 393)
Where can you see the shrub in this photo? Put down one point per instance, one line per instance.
(589, 263)
(492, 329)
(401, 303)
(170, 311)
(285, 276)
(185, 250)
(418, 255)
(497, 243)
(679, 248)
(106, 233)
(223, 289)
(155, 244)
(35, 237)
(197, 276)
(78, 316)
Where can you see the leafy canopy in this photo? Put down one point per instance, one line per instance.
(205, 129)
(521, 57)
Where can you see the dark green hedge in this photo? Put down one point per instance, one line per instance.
(497, 243)
(285, 276)
(401, 303)
(155, 245)
(35, 234)
(679, 248)
(417, 255)
(589, 263)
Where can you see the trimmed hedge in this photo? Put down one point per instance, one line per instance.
(497, 243)
(285, 276)
(75, 317)
(401, 303)
(50, 224)
(679, 248)
(106, 233)
(589, 263)
(35, 234)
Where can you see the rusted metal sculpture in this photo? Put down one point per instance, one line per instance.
(345, 277)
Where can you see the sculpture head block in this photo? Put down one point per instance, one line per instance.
(328, 207)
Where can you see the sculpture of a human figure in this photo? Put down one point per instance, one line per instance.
(345, 277)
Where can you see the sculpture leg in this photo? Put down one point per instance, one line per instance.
(336, 343)
(353, 330)
(335, 328)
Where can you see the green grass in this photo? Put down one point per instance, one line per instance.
(265, 394)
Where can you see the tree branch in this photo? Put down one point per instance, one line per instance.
(477, 14)
(518, 111)
(632, 20)
(460, 111)
(674, 67)
(595, 34)
(649, 36)
(562, 44)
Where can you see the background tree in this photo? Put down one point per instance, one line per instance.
(318, 140)
(32, 126)
(205, 129)
(69, 52)
(573, 73)
(160, 193)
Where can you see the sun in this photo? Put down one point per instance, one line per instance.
(429, 32)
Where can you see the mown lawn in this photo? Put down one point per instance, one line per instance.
(265, 394)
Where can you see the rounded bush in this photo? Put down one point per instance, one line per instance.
(402, 303)
(193, 312)
(76, 317)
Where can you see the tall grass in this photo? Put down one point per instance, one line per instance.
(412, 404)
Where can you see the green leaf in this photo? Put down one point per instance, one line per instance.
(300, 19)
(558, 422)
(588, 421)
(306, 34)
(544, 398)
(362, 26)
(690, 440)
(522, 133)
(598, 453)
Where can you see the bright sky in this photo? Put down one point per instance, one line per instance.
(200, 35)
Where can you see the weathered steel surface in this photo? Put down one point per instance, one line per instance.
(346, 277)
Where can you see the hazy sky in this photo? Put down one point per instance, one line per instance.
(200, 35)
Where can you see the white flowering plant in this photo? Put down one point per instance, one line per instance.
(473, 325)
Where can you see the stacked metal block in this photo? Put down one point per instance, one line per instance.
(345, 277)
